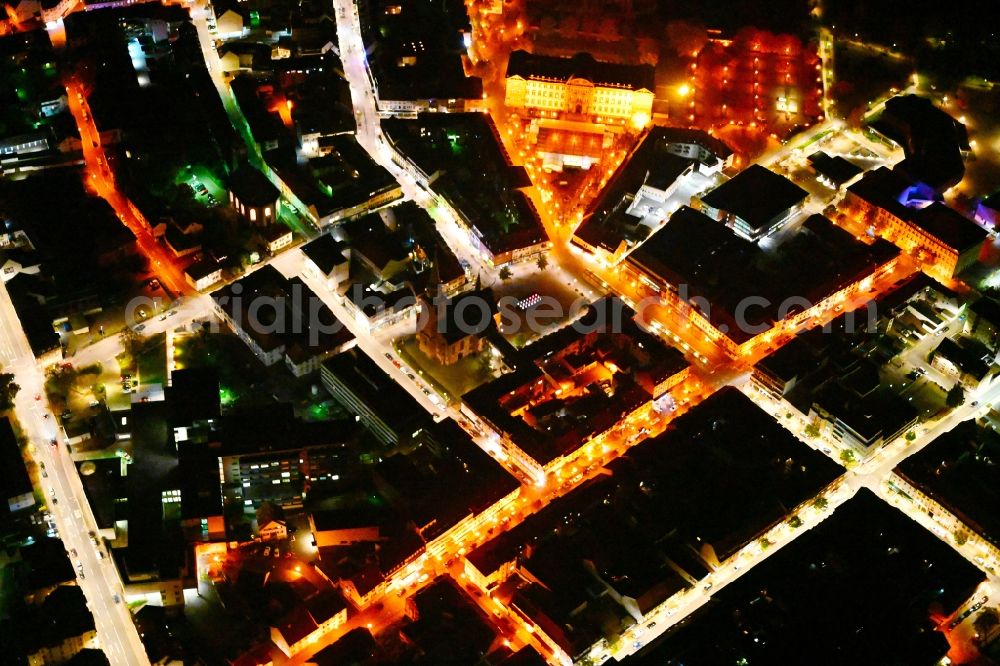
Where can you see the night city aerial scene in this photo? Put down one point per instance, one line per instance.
(499, 333)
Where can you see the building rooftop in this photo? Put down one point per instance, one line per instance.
(875, 584)
(958, 470)
(477, 176)
(818, 260)
(932, 140)
(326, 252)
(377, 390)
(837, 169)
(202, 269)
(606, 222)
(14, 479)
(252, 187)
(605, 365)
(756, 195)
(419, 49)
(582, 66)
(949, 226)
(965, 356)
(446, 626)
(721, 475)
(355, 648)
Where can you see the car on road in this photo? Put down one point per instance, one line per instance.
(411, 376)
(388, 356)
(140, 327)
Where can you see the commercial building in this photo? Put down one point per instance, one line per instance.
(577, 383)
(884, 560)
(740, 293)
(908, 214)
(667, 512)
(579, 88)
(660, 174)
(754, 203)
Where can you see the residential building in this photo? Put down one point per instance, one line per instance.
(203, 274)
(328, 260)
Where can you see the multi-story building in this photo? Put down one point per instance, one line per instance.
(754, 203)
(365, 390)
(579, 87)
(281, 319)
(909, 215)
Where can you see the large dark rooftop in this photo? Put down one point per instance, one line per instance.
(756, 195)
(715, 264)
(861, 587)
(959, 470)
(583, 66)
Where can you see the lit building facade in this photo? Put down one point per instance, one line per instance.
(579, 87)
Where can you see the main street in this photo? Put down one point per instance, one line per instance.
(68, 504)
(101, 178)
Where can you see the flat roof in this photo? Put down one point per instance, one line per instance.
(713, 263)
(756, 195)
(958, 470)
(949, 226)
(606, 224)
(868, 575)
(836, 168)
(326, 252)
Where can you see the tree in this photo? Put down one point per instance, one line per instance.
(795, 522)
(8, 391)
(821, 503)
(960, 537)
(131, 341)
(542, 263)
(811, 430)
(956, 396)
(985, 622)
(910, 436)
(505, 273)
(847, 456)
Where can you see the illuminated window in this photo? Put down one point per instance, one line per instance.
(253, 214)
(267, 212)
